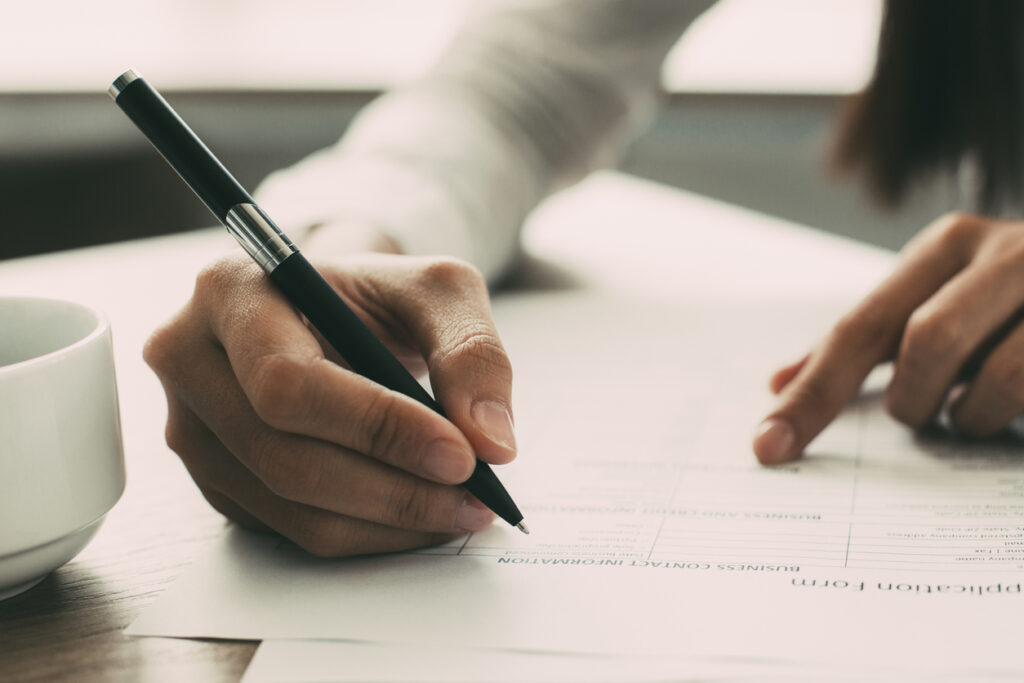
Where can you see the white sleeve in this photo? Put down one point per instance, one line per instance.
(531, 96)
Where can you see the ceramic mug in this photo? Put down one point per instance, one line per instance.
(61, 459)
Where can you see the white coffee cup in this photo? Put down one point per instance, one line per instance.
(61, 459)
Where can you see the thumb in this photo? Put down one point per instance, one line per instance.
(450, 323)
(473, 382)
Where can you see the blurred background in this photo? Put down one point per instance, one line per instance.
(753, 88)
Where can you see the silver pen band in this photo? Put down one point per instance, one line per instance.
(258, 235)
(122, 82)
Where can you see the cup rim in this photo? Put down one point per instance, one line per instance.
(101, 327)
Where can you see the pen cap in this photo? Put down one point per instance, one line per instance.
(176, 142)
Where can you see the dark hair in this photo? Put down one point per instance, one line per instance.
(947, 87)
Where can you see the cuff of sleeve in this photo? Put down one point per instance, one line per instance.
(417, 214)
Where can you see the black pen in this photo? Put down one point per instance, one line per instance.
(301, 284)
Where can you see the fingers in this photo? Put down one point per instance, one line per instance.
(784, 375)
(996, 396)
(470, 372)
(202, 454)
(238, 494)
(866, 336)
(293, 388)
(306, 470)
(276, 435)
(822, 386)
(944, 331)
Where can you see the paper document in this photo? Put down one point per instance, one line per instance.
(320, 661)
(655, 532)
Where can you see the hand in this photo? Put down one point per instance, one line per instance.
(948, 318)
(279, 435)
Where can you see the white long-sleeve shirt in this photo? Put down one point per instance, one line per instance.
(530, 97)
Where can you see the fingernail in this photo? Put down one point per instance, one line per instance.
(495, 422)
(446, 461)
(473, 515)
(774, 440)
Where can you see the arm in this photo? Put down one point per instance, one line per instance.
(275, 431)
(529, 98)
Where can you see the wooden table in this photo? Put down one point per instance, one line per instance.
(70, 627)
(612, 232)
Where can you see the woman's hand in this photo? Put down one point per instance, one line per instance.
(278, 434)
(948, 318)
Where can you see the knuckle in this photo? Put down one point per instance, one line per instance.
(903, 408)
(864, 327)
(224, 506)
(198, 463)
(279, 389)
(475, 343)
(381, 428)
(176, 437)
(410, 505)
(215, 278)
(283, 470)
(173, 345)
(927, 333)
(212, 279)
(1009, 252)
(899, 410)
(261, 457)
(894, 407)
(324, 536)
(969, 424)
(957, 229)
(451, 273)
(1005, 374)
(159, 349)
(812, 395)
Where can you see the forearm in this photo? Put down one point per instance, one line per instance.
(528, 99)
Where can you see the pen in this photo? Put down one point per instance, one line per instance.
(297, 279)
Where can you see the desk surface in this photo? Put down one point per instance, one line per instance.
(612, 233)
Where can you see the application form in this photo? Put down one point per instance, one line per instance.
(655, 532)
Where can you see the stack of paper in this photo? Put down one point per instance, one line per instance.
(660, 549)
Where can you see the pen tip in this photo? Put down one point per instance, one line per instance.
(522, 527)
